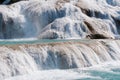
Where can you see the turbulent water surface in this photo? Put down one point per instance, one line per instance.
(62, 19)
(60, 59)
(108, 71)
(55, 40)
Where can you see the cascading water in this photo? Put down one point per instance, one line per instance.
(28, 58)
(30, 55)
(62, 19)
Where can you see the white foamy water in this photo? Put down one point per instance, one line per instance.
(24, 57)
(21, 59)
(106, 71)
(61, 19)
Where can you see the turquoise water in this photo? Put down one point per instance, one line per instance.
(37, 41)
(106, 71)
(102, 74)
(34, 41)
(40, 41)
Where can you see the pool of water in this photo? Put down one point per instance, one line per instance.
(38, 41)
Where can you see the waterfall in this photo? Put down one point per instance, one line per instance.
(61, 20)
(55, 36)
(27, 58)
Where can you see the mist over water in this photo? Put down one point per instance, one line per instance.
(55, 40)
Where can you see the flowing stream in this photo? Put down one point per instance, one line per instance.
(78, 58)
(60, 40)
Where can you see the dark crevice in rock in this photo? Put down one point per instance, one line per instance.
(87, 12)
(97, 36)
(7, 2)
(1, 1)
(92, 30)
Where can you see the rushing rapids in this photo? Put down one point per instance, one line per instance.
(27, 58)
(61, 58)
(61, 19)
